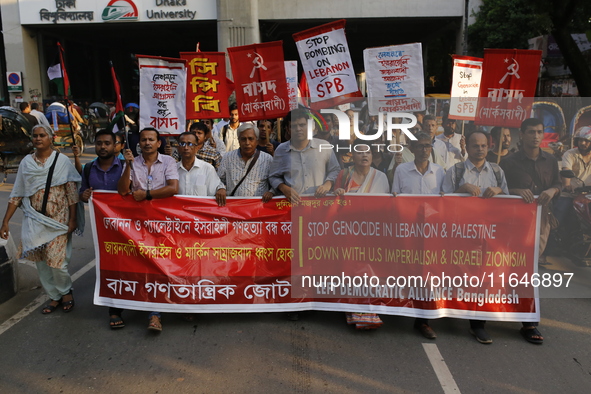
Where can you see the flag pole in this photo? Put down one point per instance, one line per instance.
(62, 64)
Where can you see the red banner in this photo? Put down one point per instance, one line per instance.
(185, 254)
(508, 86)
(259, 76)
(207, 90)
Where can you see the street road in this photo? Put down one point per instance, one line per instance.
(264, 352)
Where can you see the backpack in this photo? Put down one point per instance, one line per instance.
(461, 169)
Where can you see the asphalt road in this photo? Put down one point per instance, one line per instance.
(264, 352)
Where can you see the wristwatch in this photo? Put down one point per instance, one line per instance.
(148, 195)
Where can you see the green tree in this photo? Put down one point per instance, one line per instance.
(510, 23)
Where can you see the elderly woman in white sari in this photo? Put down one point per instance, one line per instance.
(362, 178)
(49, 218)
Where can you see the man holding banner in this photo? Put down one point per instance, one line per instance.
(480, 178)
(300, 166)
(150, 175)
(419, 177)
(531, 172)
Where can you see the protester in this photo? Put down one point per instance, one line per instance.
(245, 171)
(502, 136)
(439, 152)
(477, 177)
(153, 176)
(213, 139)
(50, 216)
(578, 160)
(361, 178)
(299, 166)
(265, 143)
(204, 151)
(196, 177)
(228, 133)
(103, 174)
(419, 177)
(455, 144)
(531, 172)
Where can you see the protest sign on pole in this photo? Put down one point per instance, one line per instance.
(162, 94)
(185, 254)
(207, 91)
(291, 77)
(394, 76)
(259, 76)
(465, 87)
(508, 86)
(327, 64)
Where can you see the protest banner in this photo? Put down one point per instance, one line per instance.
(327, 64)
(508, 86)
(465, 87)
(395, 81)
(186, 254)
(207, 90)
(259, 76)
(291, 78)
(162, 94)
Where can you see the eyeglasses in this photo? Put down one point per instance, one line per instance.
(183, 144)
(424, 146)
(119, 142)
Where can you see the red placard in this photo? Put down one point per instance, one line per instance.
(259, 77)
(185, 254)
(207, 90)
(508, 86)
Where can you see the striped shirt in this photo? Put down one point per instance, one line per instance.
(233, 168)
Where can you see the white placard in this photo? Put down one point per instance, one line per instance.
(395, 81)
(465, 87)
(162, 94)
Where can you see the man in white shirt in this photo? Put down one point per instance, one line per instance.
(419, 177)
(480, 178)
(455, 143)
(196, 177)
(229, 133)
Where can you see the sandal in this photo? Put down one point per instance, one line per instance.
(532, 335)
(49, 308)
(155, 324)
(67, 306)
(116, 322)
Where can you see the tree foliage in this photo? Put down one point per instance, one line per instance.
(510, 23)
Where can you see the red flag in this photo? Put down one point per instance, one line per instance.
(259, 76)
(118, 103)
(304, 91)
(66, 81)
(508, 86)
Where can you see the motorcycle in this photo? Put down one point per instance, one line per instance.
(577, 242)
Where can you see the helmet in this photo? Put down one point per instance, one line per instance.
(584, 133)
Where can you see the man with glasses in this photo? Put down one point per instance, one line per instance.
(196, 177)
(419, 177)
(150, 175)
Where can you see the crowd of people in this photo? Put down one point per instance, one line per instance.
(231, 158)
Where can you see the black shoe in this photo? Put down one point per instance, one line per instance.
(481, 335)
